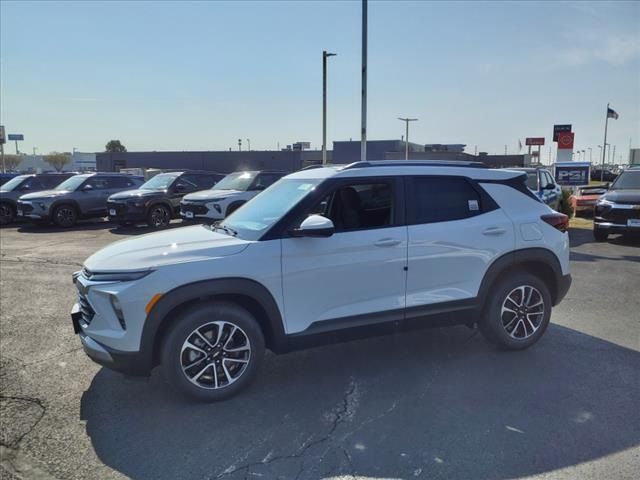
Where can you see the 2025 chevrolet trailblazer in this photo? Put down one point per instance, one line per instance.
(326, 254)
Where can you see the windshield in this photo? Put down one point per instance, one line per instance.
(258, 215)
(72, 183)
(532, 180)
(13, 183)
(627, 181)
(162, 181)
(236, 181)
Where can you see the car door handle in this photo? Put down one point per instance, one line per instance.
(387, 242)
(494, 231)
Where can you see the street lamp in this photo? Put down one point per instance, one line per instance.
(590, 154)
(325, 54)
(239, 144)
(406, 145)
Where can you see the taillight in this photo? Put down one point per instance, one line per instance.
(557, 220)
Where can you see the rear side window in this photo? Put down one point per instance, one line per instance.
(442, 199)
(265, 180)
(120, 182)
(52, 181)
(200, 182)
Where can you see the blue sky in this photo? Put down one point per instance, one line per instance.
(199, 75)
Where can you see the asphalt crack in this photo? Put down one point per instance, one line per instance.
(31, 400)
(345, 413)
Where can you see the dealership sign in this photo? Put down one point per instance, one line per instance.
(560, 128)
(572, 173)
(18, 137)
(565, 140)
(534, 141)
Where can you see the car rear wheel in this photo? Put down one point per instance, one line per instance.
(518, 312)
(159, 216)
(65, 216)
(213, 351)
(7, 213)
(600, 235)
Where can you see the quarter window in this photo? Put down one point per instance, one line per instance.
(442, 199)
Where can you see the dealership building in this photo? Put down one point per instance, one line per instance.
(292, 159)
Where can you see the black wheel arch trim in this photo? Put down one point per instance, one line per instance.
(156, 321)
(536, 255)
(62, 202)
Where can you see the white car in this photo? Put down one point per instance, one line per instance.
(227, 195)
(323, 255)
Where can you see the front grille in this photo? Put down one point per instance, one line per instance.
(619, 215)
(120, 208)
(195, 208)
(85, 308)
(25, 207)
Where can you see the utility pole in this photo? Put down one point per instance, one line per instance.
(325, 54)
(363, 113)
(614, 155)
(406, 142)
(248, 144)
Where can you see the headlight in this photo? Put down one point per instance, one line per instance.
(114, 276)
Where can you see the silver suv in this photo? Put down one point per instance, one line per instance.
(81, 196)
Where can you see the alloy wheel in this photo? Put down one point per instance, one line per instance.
(522, 312)
(65, 216)
(215, 355)
(159, 217)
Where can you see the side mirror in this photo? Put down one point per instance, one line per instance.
(314, 226)
(549, 186)
(87, 188)
(180, 188)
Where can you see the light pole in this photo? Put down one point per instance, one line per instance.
(239, 144)
(363, 100)
(406, 138)
(248, 144)
(590, 154)
(325, 54)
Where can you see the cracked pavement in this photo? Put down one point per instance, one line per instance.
(430, 404)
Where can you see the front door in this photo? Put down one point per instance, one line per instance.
(356, 275)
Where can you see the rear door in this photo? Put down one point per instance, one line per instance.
(357, 274)
(94, 201)
(455, 231)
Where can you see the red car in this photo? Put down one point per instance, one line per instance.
(585, 198)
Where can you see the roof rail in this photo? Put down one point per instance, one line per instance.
(415, 163)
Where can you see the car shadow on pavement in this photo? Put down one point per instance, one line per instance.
(84, 225)
(581, 236)
(433, 403)
(133, 230)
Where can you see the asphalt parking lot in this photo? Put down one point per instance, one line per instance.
(431, 404)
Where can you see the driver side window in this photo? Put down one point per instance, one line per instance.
(358, 206)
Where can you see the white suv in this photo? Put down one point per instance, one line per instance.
(227, 195)
(322, 255)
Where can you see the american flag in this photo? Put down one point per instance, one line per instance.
(611, 113)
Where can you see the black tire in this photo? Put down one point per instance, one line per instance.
(524, 327)
(7, 213)
(600, 235)
(207, 316)
(233, 207)
(65, 216)
(159, 216)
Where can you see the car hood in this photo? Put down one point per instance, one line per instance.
(168, 247)
(137, 193)
(211, 195)
(44, 194)
(623, 196)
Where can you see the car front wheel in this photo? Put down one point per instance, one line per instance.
(65, 216)
(213, 351)
(159, 216)
(518, 312)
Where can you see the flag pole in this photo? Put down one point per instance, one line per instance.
(604, 147)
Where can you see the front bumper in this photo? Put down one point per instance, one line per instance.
(33, 210)
(617, 217)
(128, 363)
(193, 211)
(125, 212)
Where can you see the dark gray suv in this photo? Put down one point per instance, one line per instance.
(81, 196)
(22, 184)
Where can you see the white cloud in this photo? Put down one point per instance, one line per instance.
(615, 50)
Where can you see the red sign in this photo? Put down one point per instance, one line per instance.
(534, 141)
(565, 140)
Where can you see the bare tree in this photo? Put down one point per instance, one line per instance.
(58, 160)
(11, 162)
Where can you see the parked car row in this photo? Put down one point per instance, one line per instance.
(65, 198)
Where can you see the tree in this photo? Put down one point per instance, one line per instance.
(58, 160)
(114, 146)
(11, 162)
